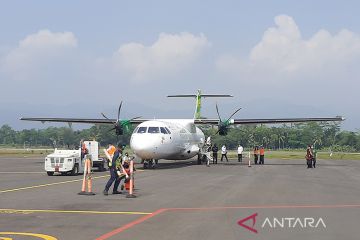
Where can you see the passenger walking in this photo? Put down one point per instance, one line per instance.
(84, 150)
(240, 151)
(314, 157)
(114, 177)
(309, 157)
(224, 153)
(208, 156)
(256, 154)
(262, 155)
(215, 150)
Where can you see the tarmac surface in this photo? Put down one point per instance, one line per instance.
(180, 200)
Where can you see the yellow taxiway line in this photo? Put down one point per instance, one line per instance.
(52, 184)
(48, 184)
(37, 235)
(28, 211)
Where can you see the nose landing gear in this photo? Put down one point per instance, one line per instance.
(150, 163)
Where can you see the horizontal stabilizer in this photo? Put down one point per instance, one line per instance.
(202, 95)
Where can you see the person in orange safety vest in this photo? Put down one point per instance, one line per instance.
(262, 155)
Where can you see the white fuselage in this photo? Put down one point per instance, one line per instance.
(173, 139)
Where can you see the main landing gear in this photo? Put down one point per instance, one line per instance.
(150, 163)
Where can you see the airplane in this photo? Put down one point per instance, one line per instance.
(175, 139)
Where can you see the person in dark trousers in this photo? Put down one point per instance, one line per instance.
(314, 157)
(309, 157)
(224, 153)
(256, 154)
(113, 172)
(215, 150)
(240, 152)
(262, 155)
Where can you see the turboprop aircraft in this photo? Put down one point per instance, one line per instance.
(175, 139)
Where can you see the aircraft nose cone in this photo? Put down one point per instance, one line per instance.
(144, 147)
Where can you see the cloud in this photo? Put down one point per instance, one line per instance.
(168, 55)
(36, 51)
(282, 50)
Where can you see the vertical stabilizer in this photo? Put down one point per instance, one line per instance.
(198, 96)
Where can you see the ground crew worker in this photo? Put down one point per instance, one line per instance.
(126, 166)
(262, 155)
(84, 150)
(215, 150)
(256, 154)
(240, 151)
(309, 157)
(113, 172)
(224, 153)
(125, 158)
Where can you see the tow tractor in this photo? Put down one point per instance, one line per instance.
(70, 162)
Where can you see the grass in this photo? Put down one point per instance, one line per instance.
(25, 152)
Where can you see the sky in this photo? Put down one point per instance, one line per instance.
(80, 58)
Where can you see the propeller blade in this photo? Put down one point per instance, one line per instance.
(233, 114)
(217, 110)
(107, 118)
(111, 129)
(118, 116)
(135, 118)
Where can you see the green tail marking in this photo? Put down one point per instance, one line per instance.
(197, 114)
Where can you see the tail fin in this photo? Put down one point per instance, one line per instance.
(198, 96)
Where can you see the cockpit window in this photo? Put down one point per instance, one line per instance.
(153, 130)
(142, 130)
(163, 130)
(167, 130)
(135, 130)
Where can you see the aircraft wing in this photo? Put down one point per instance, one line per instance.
(82, 120)
(269, 120)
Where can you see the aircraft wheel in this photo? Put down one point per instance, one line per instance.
(145, 164)
(151, 164)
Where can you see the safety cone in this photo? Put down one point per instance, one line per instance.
(87, 179)
(131, 181)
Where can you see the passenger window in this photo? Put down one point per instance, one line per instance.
(142, 130)
(153, 130)
(167, 130)
(162, 130)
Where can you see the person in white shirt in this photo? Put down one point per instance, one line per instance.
(240, 151)
(224, 153)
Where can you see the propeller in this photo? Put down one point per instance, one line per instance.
(119, 125)
(223, 126)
